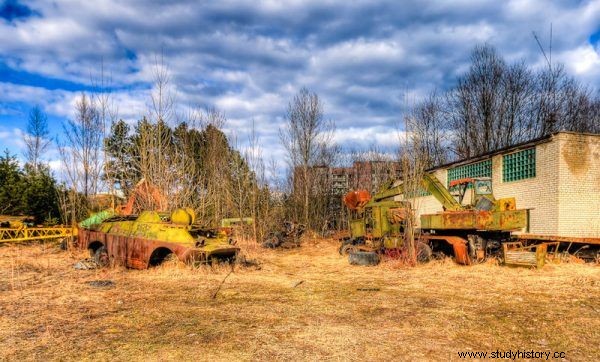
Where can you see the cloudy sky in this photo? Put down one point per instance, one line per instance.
(367, 60)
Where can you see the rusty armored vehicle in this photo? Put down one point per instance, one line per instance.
(472, 225)
(150, 238)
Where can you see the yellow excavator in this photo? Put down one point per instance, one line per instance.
(472, 224)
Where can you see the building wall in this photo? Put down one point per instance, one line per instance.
(579, 186)
(538, 194)
(564, 195)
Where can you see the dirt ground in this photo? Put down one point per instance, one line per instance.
(303, 304)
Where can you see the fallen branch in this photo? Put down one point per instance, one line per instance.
(214, 296)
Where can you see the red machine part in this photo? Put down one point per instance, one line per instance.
(144, 192)
(461, 181)
(356, 199)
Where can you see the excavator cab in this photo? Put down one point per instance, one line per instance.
(475, 193)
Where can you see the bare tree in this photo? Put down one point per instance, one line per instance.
(80, 153)
(495, 105)
(306, 137)
(157, 159)
(36, 139)
(108, 114)
(83, 147)
(476, 103)
(429, 131)
(413, 161)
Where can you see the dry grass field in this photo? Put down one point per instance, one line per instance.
(303, 304)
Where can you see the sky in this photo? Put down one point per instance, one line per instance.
(369, 61)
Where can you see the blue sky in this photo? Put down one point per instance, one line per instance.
(369, 61)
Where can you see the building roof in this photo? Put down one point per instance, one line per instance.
(513, 148)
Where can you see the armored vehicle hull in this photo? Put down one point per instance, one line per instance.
(151, 238)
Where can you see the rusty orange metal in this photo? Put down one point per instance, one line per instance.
(145, 240)
(461, 181)
(564, 239)
(356, 199)
(459, 246)
(144, 192)
(137, 252)
(506, 220)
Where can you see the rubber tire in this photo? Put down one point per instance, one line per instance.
(347, 249)
(424, 253)
(364, 258)
(101, 257)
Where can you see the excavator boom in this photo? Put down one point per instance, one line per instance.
(432, 185)
(435, 187)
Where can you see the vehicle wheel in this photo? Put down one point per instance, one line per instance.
(346, 249)
(363, 258)
(424, 253)
(101, 257)
(171, 260)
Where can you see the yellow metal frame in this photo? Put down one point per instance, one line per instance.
(35, 233)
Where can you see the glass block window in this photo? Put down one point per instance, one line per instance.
(519, 165)
(418, 193)
(479, 169)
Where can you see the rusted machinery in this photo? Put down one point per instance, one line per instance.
(377, 223)
(287, 238)
(473, 223)
(517, 254)
(149, 239)
(143, 195)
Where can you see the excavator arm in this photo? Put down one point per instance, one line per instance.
(435, 187)
(432, 185)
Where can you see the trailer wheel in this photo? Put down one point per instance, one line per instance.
(363, 258)
(101, 257)
(424, 253)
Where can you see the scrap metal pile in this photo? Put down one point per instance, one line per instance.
(288, 238)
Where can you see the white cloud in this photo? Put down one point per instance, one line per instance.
(11, 138)
(583, 60)
(367, 60)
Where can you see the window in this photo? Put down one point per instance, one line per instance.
(519, 165)
(479, 169)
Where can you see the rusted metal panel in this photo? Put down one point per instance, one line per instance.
(516, 254)
(357, 228)
(461, 181)
(356, 199)
(563, 239)
(459, 246)
(476, 220)
(135, 252)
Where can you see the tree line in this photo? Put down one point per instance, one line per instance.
(495, 104)
(193, 163)
(31, 189)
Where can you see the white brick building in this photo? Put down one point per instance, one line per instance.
(557, 177)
